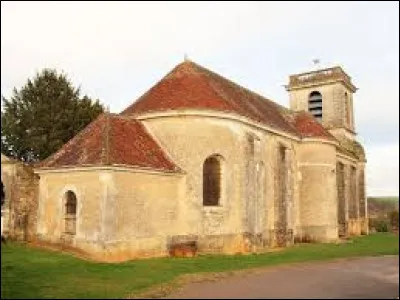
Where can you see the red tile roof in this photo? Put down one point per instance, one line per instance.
(307, 126)
(117, 140)
(112, 140)
(189, 85)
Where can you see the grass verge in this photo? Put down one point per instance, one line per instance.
(38, 273)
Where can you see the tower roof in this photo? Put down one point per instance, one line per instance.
(319, 77)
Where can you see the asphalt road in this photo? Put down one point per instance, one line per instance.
(359, 278)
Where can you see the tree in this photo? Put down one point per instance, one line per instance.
(43, 115)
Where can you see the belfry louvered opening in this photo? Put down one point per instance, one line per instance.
(315, 105)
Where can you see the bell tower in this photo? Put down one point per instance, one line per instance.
(328, 95)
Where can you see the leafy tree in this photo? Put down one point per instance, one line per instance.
(43, 115)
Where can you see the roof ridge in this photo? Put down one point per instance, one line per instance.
(281, 109)
(71, 141)
(247, 90)
(128, 142)
(190, 85)
(107, 138)
(165, 77)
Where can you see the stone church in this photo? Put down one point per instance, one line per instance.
(200, 159)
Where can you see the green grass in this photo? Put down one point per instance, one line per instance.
(36, 273)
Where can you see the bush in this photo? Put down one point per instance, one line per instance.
(379, 225)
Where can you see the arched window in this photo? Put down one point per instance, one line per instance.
(212, 181)
(70, 213)
(315, 105)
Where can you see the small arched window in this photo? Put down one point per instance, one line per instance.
(70, 213)
(315, 105)
(212, 181)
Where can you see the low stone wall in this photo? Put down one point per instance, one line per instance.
(21, 200)
(354, 227)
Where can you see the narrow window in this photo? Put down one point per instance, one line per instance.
(315, 105)
(212, 181)
(70, 213)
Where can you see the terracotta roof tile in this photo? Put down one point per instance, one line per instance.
(119, 140)
(307, 126)
(112, 140)
(189, 85)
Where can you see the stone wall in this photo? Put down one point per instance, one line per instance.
(251, 191)
(21, 200)
(335, 103)
(272, 189)
(362, 200)
(342, 208)
(353, 214)
(281, 204)
(318, 192)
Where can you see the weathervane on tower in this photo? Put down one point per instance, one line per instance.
(316, 62)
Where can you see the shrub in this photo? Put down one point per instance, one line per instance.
(379, 225)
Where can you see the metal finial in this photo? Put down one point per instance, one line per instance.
(316, 62)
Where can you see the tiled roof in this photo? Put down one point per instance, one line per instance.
(122, 140)
(307, 126)
(112, 140)
(189, 85)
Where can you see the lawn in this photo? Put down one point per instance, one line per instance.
(36, 273)
(385, 199)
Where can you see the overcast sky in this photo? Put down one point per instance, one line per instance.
(118, 50)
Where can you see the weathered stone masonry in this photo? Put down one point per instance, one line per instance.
(202, 162)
